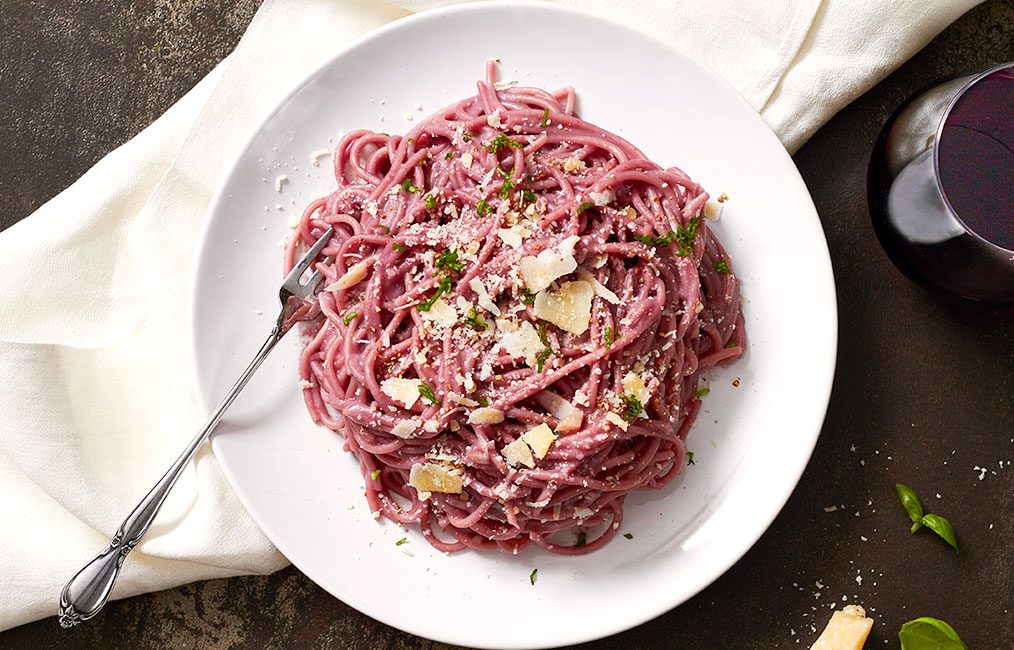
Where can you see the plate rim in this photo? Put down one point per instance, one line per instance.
(823, 390)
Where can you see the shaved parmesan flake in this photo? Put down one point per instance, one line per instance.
(402, 390)
(482, 296)
(569, 308)
(543, 269)
(406, 428)
(513, 236)
(441, 314)
(466, 159)
(600, 289)
(520, 341)
(570, 417)
(433, 477)
(583, 513)
(485, 415)
(518, 453)
(581, 397)
(847, 630)
(634, 385)
(493, 119)
(352, 277)
(540, 439)
(617, 420)
(461, 399)
(572, 164)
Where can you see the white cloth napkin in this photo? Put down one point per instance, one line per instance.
(96, 385)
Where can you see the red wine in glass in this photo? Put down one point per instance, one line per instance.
(941, 187)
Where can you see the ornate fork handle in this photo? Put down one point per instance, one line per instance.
(89, 589)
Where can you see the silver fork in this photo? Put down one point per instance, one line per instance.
(89, 589)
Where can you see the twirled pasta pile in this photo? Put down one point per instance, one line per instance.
(518, 306)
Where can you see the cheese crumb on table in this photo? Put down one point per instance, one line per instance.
(847, 630)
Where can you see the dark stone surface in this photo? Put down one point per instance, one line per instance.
(924, 391)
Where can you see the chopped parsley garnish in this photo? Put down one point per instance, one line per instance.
(631, 407)
(685, 236)
(722, 266)
(731, 344)
(701, 392)
(386, 229)
(584, 206)
(690, 458)
(545, 118)
(408, 186)
(431, 201)
(528, 196)
(428, 394)
(375, 474)
(527, 297)
(582, 538)
(533, 576)
(443, 286)
(481, 400)
(540, 359)
(505, 188)
(629, 535)
(913, 506)
(347, 318)
(608, 336)
(403, 540)
(467, 136)
(655, 241)
(449, 155)
(542, 335)
(482, 208)
(398, 248)
(501, 141)
(447, 260)
(474, 321)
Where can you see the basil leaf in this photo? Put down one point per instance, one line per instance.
(910, 502)
(929, 634)
(941, 527)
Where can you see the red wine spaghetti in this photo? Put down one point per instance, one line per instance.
(518, 306)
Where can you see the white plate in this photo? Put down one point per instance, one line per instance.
(751, 442)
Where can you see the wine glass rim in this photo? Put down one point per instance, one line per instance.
(936, 153)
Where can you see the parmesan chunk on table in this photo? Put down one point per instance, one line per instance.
(847, 630)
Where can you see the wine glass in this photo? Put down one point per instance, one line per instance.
(941, 187)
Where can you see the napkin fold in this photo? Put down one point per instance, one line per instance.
(97, 392)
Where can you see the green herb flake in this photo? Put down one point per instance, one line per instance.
(911, 503)
(685, 237)
(449, 155)
(505, 189)
(398, 248)
(347, 318)
(582, 538)
(447, 260)
(928, 633)
(701, 392)
(608, 336)
(428, 394)
(690, 458)
(732, 343)
(941, 527)
(584, 206)
(403, 540)
(527, 297)
(545, 118)
(628, 535)
(542, 335)
(443, 286)
(540, 359)
(655, 241)
(722, 266)
(481, 400)
(632, 407)
(482, 208)
(375, 474)
(528, 196)
(467, 136)
(408, 186)
(533, 576)
(431, 202)
(501, 141)
(474, 321)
